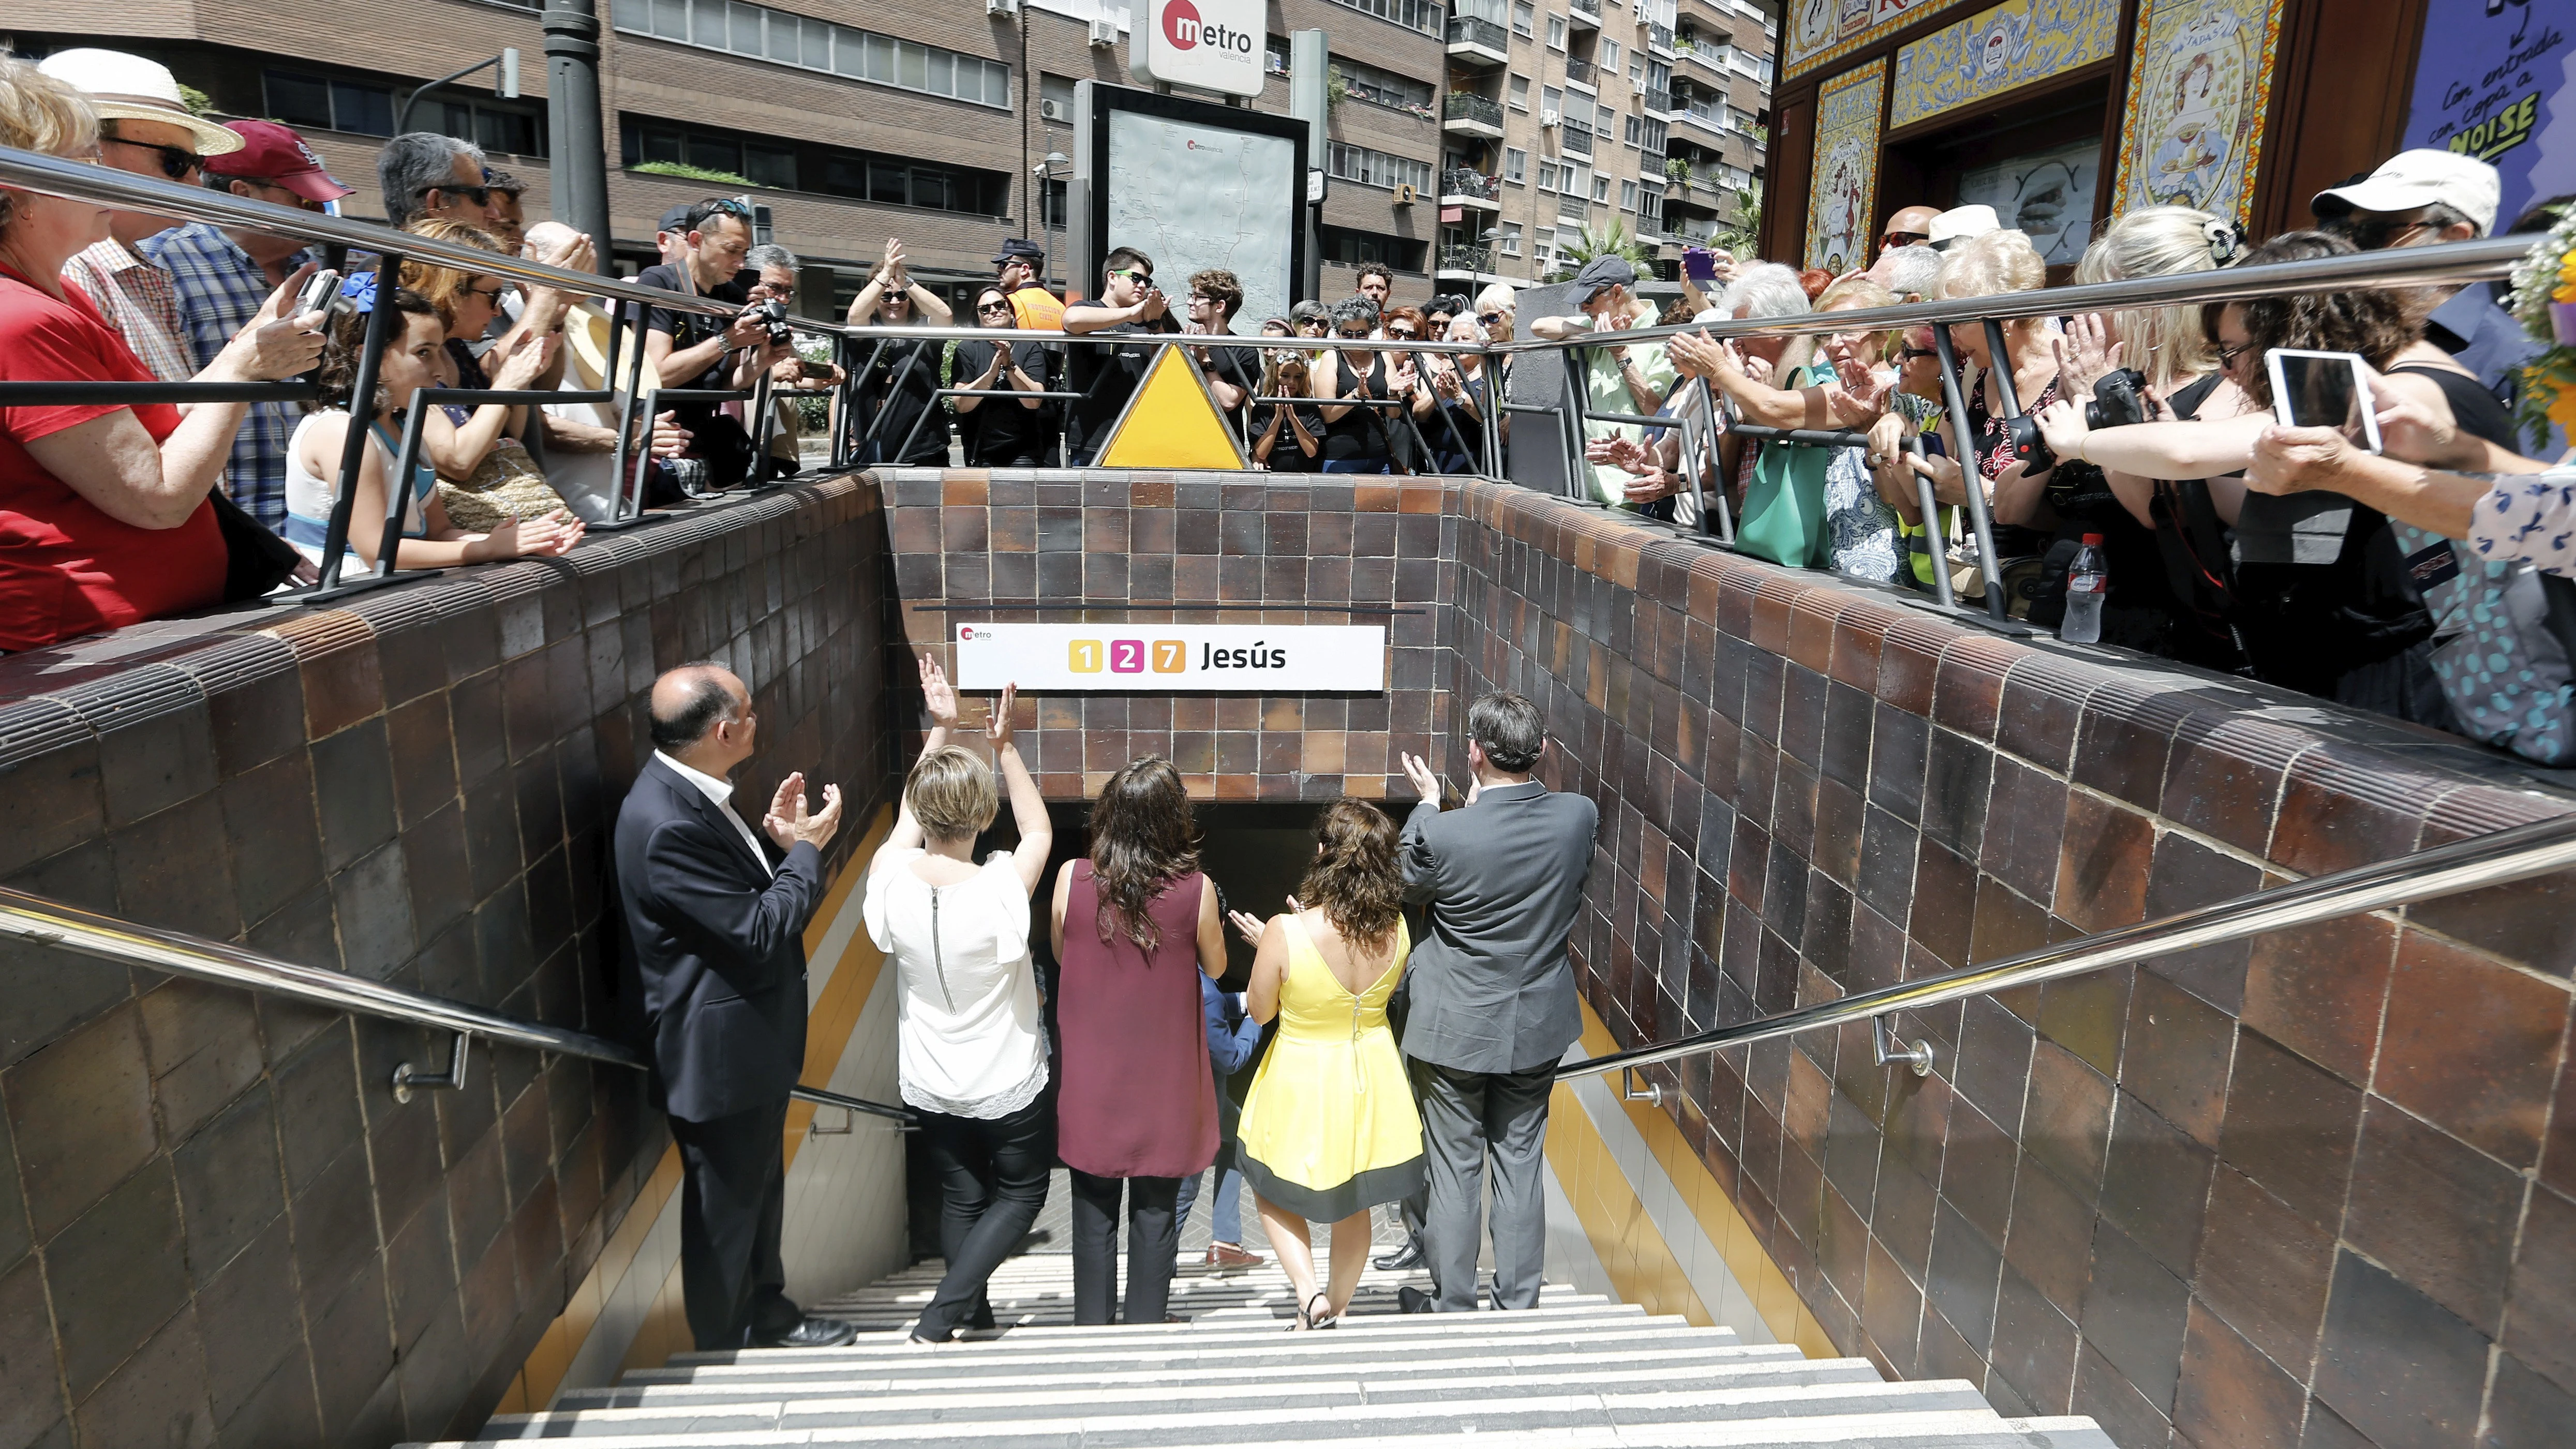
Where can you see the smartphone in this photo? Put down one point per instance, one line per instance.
(2323, 390)
(815, 370)
(1699, 264)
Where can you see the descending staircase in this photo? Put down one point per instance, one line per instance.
(1580, 1370)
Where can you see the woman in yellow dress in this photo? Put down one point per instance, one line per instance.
(1329, 1129)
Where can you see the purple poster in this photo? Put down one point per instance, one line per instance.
(2493, 81)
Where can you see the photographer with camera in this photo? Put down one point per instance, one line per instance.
(696, 350)
(903, 382)
(773, 292)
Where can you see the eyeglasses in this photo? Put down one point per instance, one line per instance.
(2227, 355)
(479, 195)
(176, 161)
(492, 294)
(1904, 238)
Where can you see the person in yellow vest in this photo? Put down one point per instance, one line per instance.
(1020, 271)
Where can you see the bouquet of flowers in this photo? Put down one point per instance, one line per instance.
(2544, 298)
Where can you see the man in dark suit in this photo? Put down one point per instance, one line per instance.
(716, 921)
(1494, 1004)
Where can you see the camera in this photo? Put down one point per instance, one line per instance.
(2027, 445)
(773, 319)
(2119, 399)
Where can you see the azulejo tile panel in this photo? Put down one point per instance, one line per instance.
(1999, 50)
(2200, 83)
(1820, 30)
(1842, 198)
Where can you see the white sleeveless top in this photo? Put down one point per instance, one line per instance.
(970, 1043)
(309, 498)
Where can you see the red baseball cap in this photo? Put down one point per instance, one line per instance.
(274, 153)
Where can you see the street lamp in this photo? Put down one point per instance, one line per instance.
(506, 86)
(1044, 171)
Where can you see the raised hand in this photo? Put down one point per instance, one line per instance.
(1418, 770)
(1247, 925)
(2085, 352)
(938, 695)
(788, 822)
(997, 724)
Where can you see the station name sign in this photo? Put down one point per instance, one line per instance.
(1173, 658)
(1214, 45)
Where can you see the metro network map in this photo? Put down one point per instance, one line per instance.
(1193, 196)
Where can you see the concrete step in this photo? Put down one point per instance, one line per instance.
(1716, 1365)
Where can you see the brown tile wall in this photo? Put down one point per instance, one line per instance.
(2318, 1189)
(968, 537)
(216, 1226)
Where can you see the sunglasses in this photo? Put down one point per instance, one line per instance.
(176, 161)
(1489, 318)
(1310, 325)
(2380, 233)
(992, 307)
(1904, 238)
(1349, 336)
(2227, 355)
(1132, 274)
(1916, 354)
(479, 195)
(1406, 334)
(492, 295)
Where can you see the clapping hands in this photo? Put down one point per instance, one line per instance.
(788, 822)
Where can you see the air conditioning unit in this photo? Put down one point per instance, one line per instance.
(1405, 194)
(1104, 32)
(1001, 7)
(1547, 118)
(1056, 111)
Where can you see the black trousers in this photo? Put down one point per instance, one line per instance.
(1153, 1247)
(992, 1184)
(733, 1196)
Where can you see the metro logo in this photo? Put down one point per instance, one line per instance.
(1127, 656)
(1183, 28)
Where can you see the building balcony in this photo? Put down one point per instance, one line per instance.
(1659, 39)
(1577, 138)
(1466, 113)
(1462, 187)
(1467, 263)
(1659, 103)
(1582, 74)
(1583, 13)
(1478, 42)
(1706, 119)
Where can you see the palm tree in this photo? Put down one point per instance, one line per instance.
(1613, 240)
(1742, 237)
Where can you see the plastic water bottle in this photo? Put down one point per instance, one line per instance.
(2087, 580)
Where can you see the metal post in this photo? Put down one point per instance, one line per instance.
(398, 486)
(362, 392)
(1973, 482)
(580, 159)
(1907, 447)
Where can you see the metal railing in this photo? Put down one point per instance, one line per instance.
(1461, 181)
(1579, 71)
(37, 921)
(1469, 106)
(1468, 30)
(1466, 259)
(2497, 858)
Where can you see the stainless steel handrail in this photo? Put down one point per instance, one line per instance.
(40, 922)
(2497, 858)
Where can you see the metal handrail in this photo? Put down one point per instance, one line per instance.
(40, 922)
(2497, 858)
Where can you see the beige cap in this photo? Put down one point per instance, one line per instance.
(122, 87)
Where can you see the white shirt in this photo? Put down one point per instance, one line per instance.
(969, 1039)
(721, 792)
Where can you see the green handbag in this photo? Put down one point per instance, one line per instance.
(1784, 505)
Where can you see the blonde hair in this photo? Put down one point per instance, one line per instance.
(1497, 297)
(1991, 265)
(1861, 292)
(2165, 343)
(40, 113)
(950, 791)
(445, 286)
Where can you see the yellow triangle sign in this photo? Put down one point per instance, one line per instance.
(1171, 422)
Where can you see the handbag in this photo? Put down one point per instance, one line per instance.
(1784, 505)
(255, 560)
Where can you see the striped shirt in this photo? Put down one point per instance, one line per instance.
(138, 299)
(220, 290)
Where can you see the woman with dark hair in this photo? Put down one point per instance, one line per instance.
(408, 364)
(1136, 1100)
(1002, 432)
(2347, 625)
(1329, 1128)
(1355, 436)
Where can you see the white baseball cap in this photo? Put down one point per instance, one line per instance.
(123, 87)
(2411, 180)
(1960, 223)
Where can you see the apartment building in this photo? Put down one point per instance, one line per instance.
(1572, 117)
(944, 124)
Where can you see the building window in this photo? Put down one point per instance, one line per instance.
(1556, 32)
(1651, 134)
(1515, 165)
(1601, 188)
(1605, 122)
(366, 108)
(1411, 14)
(1054, 203)
(1543, 248)
(1275, 55)
(1520, 93)
(1637, 70)
(1650, 198)
(1354, 248)
(1627, 196)
(1551, 101)
(809, 44)
(1607, 57)
(1377, 168)
(1523, 15)
(1635, 127)
(1659, 76)
(1570, 208)
(1511, 239)
(1055, 98)
(830, 170)
(1382, 87)
(1547, 173)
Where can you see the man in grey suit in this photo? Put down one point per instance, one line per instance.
(1494, 1005)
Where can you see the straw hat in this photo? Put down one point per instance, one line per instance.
(123, 87)
(586, 332)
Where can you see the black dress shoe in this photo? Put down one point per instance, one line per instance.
(1402, 1260)
(810, 1333)
(1409, 1299)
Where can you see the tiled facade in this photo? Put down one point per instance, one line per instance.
(1163, 542)
(2315, 1189)
(216, 1226)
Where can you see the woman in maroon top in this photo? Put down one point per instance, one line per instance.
(1136, 1101)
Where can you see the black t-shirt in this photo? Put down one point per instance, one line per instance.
(1236, 367)
(1001, 430)
(1106, 376)
(896, 392)
(688, 329)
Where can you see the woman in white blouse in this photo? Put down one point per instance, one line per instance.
(972, 1050)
